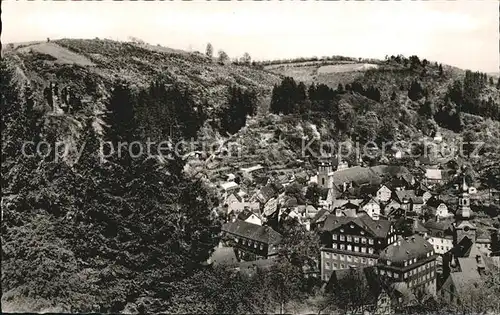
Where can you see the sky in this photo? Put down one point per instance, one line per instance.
(462, 33)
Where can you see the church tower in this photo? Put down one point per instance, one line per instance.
(325, 168)
(463, 226)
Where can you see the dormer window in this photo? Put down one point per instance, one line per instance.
(351, 226)
(388, 263)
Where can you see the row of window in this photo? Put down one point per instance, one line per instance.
(414, 260)
(351, 248)
(250, 243)
(335, 266)
(349, 258)
(410, 273)
(421, 279)
(350, 238)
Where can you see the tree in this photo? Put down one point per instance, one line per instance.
(246, 59)
(416, 91)
(440, 69)
(209, 51)
(223, 57)
(313, 194)
(349, 293)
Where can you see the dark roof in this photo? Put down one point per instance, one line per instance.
(405, 249)
(263, 234)
(402, 194)
(356, 174)
(320, 216)
(395, 183)
(379, 228)
(441, 225)
(389, 170)
(417, 200)
(267, 193)
(434, 202)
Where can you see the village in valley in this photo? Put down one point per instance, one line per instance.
(404, 232)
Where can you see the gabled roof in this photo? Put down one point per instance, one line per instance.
(442, 225)
(240, 206)
(338, 203)
(402, 194)
(405, 249)
(369, 200)
(434, 202)
(417, 200)
(266, 193)
(263, 234)
(245, 214)
(320, 216)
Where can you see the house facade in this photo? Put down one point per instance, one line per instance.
(251, 241)
(351, 242)
(412, 261)
(384, 194)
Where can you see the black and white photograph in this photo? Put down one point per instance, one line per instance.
(250, 157)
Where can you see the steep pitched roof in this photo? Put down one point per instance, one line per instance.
(245, 214)
(263, 234)
(378, 228)
(402, 194)
(320, 216)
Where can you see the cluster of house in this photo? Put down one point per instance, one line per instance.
(357, 219)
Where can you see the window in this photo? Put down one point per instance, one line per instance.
(370, 250)
(335, 256)
(335, 266)
(389, 273)
(341, 257)
(356, 239)
(414, 260)
(370, 241)
(363, 240)
(388, 263)
(261, 246)
(356, 248)
(327, 255)
(349, 247)
(255, 245)
(342, 237)
(342, 266)
(334, 245)
(406, 275)
(349, 258)
(342, 246)
(363, 249)
(236, 239)
(334, 236)
(327, 266)
(349, 238)
(371, 261)
(356, 259)
(395, 275)
(363, 260)
(382, 272)
(406, 263)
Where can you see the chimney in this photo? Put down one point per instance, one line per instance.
(337, 212)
